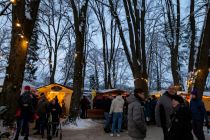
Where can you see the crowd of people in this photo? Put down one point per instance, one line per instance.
(33, 108)
(171, 112)
(177, 118)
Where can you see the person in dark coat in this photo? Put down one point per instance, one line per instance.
(42, 113)
(84, 107)
(136, 118)
(54, 111)
(148, 110)
(198, 114)
(26, 112)
(106, 107)
(164, 109)
(181, 128)
(153, 104)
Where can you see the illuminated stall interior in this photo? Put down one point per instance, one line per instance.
(63, 94)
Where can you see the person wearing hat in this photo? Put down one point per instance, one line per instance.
(181, 128)
(198, 112)
(136, 117)
(26, 107)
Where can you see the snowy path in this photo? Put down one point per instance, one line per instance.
(96, 132)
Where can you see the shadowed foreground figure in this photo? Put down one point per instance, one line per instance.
(198, 114)
(181, 128)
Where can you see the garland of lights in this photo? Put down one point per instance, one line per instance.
(191, 78)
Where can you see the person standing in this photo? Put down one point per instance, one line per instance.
(148, 110)
(107, 105)
(116, 111)
(42, 113)
(136, 117)
(153, 104)
(54, 111)
(181, 128)
(198, 114)
(84, 107)
(164, 110)
(26, 112)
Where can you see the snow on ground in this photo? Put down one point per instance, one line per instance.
(80, 124)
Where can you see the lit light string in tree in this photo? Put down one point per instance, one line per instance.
(20, 33)
(144, 79)
(191, 78)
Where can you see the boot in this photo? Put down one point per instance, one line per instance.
(16, 137)
(26, 138)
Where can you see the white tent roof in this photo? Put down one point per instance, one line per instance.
(206, 93)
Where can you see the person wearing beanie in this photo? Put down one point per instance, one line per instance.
(27, 88)
(164, 109)
(26, 107)
(198, 112)
(136, 117)
(181, 128)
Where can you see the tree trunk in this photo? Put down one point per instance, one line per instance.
(18, 54)
(192, 42)
(174, 67)
(136, 54)
(200, 80)
(80, 31)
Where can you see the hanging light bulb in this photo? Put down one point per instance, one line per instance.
(13, 1)
(75, 55)
(22, 36)
(18, 24)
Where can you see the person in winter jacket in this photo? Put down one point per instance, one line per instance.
(116, 111)
(181, 128)
(26, 112)
(148, 110)
(153, 104)
(164, 110)
(106, 107)
(42, 113)
(54, 111)
(84, 107)
(136, 118)
(198, 114)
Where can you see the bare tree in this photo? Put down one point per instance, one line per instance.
(135, 53)
(18, 53)
(172, 36)
(55, 26)
(80, 15)
(203, 56)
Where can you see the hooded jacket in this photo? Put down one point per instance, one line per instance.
(117, 105)
(136, 118)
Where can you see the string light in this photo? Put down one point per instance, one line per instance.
(22, 36)
(75, 55)
(18, 24)
(13, 1)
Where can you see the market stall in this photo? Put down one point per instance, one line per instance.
(63, 94)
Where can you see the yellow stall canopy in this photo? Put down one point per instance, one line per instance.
(63, 94)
